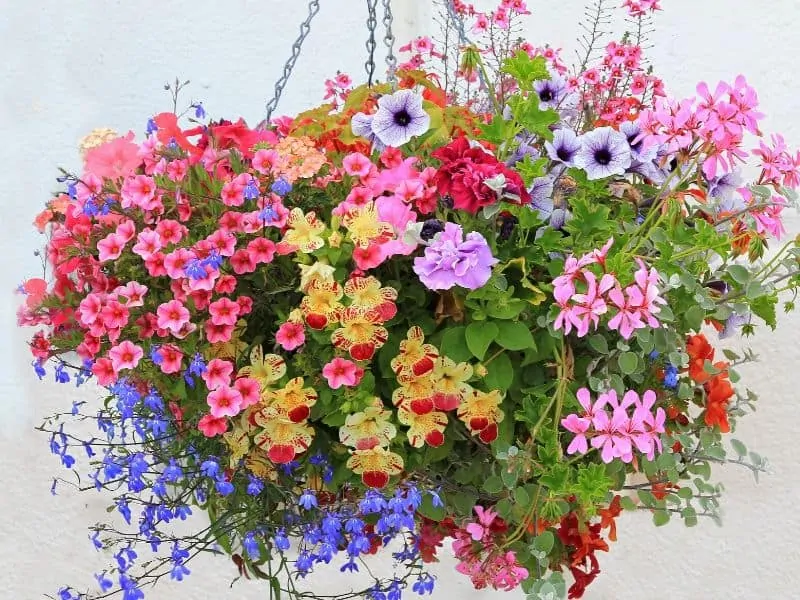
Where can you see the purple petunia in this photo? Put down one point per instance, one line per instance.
(564, 147)
(452, 260)
(550, 91)
(399, 118)
(604, 152)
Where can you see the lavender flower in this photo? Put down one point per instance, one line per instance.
(723, 187)
(605, 152)
(451, 260)
(564, 147)
(399, 118)
(551, 91)
(361, 124)
(541, 192)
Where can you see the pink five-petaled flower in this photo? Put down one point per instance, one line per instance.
(356, 164)
(250, 390)
(224, 311)
(478, 531)
(225, 402)
(125, 355)
(579, 426)
(103, 370)
(610, 438)
(110, 247)
(628, 317)
(212, 426)
(217, 374)
(590, 305)
(172, 316)
(133, 292)
(171, 359)
(140, 191)
(290, 335)
(341, 371)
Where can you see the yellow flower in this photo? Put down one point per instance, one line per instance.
(281, 438)
(414, 393)
(238, 443)
(321, 304)
(415, 357)
(375, 466)
(335, 239)
(369, 428)
(481, 413)
(259, 464)
(423, 429)
(360, 333)
(318, 270)
(450, 383)
(364, 227)
(366, 293)
(264, 369)
(96, 137)
(303, 233)
(233, 347)
(292, 400)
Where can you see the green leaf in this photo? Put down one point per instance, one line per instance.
(521, 497)
(525, 69)
(479, 337)
(544, 541)
(496, 130)
(738, 447)
(493, 485)
(599, 344)
(628, 362)
(500, 373)
(764, 307)
(627, 503)
(739, 273)
(427, 509)
(660, 517)
(694, 317)
(514, 335)
(454, 344)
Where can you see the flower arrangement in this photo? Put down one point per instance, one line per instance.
(474, 308)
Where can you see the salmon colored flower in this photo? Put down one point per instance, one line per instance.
(212, 426)
(125, 355)
(375, 466)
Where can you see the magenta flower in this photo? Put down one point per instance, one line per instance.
(579, 426)
(590, 305)
(451, 260)
(342, 372)
(290, 335)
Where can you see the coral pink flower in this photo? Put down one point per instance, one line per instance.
(250, 390)
(340, 371)
(217, 374)
(175, 262)
(133, 292)
(155, 264)
(218, 333)
(114, 315)
(114, 159)
(481, 529)
(140, 191)
(125, 355)
(171, 359)
(172, 315)
(147, 243)
(233, 193)
(224, 311)
(369, 257)
(170, 231)
(224, 402)
(357, 165)
(225, 284)
(290, 335)
(212, 426)
(223, 241)
(264, 161)
(242, 262)
(110, 247)
(126, 230)
(103, 370)
(261, 249)
(177, 169)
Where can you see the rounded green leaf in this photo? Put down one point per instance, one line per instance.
(514, 335)
(628, 362)
(479, 337)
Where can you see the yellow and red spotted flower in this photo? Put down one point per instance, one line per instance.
(414, 393)
(423, 429)
(303, 233)
(259, 464)
(366, 293)
(282, 439)
(321, 305)
(360, 334)
(369, 428)
(415, 357)
(375, 465)
(450, 383)
(364, 227)
(292, 401)
(264, 369)
(481, 413)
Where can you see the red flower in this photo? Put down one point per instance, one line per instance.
(238, 135)
(718, 393)
(464, 173)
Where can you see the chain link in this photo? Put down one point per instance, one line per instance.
(305, 28)
(372, 25)
(388, 39)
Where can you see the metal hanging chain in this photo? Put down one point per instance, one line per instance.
(388, 39)
(305, 28)
(372, 25)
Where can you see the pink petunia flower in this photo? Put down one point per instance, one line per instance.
(357, 165)
(290, 335)
(250, 390)
(125, 355)
(217, 374)
(224, 402)
(212, 426)
(147, 243)
(171, 359)
(224, 312)
(110, 247)
(340, 371)
(172, 315)
(103, 370)
(114, 159)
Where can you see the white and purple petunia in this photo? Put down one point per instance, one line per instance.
(604, 152)
(564, 147)
(399, 118)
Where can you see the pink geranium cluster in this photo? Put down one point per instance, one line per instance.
(337, 89)
(639, 8)
(616, 428)
(480, 556)
(778, 166)
(717, 120)
(499, 17)
(421, 49)
(635, 306)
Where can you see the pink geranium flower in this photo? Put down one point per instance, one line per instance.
(212, 426)
(172, 315)
(103, 370)
(224, 402)
(171, 359)
(117, 158)
(217, 374)
(290, 335)
(340, 371)
(125, 355)
(579, 426)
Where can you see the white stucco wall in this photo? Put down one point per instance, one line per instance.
(70, 65)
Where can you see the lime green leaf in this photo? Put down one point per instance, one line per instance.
(599, 344)
(454, 344)
(479, 337)
(525, 69)
(628, 361)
